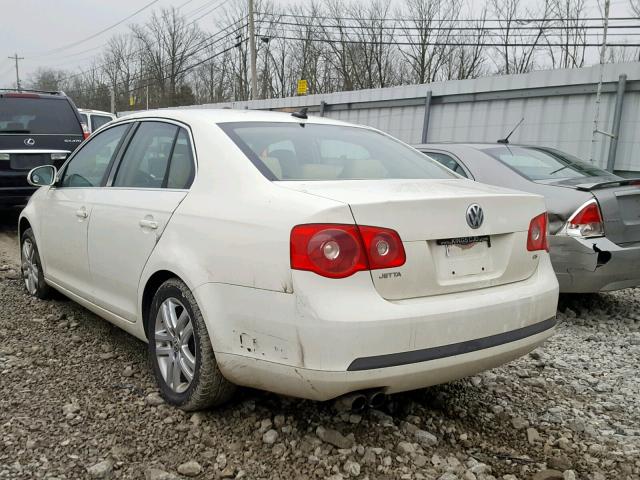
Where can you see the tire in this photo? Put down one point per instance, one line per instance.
(177, 351)
(31, 267)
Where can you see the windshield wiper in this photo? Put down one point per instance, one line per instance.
(560, 169)
(15, 131)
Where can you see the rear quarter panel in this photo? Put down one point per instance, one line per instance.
(233, 226)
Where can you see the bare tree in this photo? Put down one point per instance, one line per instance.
(426, 26)
(517, 48)
(168, 43)
(566, 36)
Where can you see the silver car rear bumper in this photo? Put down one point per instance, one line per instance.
(594, 265)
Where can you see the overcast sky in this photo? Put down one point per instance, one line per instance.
(33, 28)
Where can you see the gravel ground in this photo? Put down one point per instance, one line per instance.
(77, 401)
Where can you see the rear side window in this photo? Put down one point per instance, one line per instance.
(88, 167)
(293, 151)
(145, 163)
(181, 168)
(99, 120)
(448, 162)
(38, 116)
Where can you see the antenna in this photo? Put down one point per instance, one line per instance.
(506, 139)
(301, 114)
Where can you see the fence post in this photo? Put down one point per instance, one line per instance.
(615, 129)
(427, 113)
(323, 105)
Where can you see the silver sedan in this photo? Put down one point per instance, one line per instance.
(594, 215)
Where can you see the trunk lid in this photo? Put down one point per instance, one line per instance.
(430, 217)
(619, 200)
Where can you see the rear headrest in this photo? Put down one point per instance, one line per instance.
(365, 168)
(318, 171)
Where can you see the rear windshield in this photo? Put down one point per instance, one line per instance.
(99, 120)
(544, 164)
(37, 115)
(292, 151)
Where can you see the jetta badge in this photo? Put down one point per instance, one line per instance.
(475, 216)
(29, 142)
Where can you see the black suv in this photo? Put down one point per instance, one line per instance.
(36, 128)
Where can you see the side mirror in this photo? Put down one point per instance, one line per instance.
(43, 176)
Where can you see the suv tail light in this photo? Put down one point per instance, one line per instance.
(339, 251)
(586, 222)
(537, 236)
(85, 131)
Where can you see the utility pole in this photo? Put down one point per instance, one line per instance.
(16, 58)
(603, 51)
(252, 52)
(113, 99)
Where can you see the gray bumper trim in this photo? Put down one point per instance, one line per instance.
(434, 353)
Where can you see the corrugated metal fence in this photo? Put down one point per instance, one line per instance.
(557, 105)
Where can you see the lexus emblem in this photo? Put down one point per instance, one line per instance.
(29, 141)
(475, 216)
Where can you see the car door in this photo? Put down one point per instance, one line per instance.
(66, 211)
(129, 216)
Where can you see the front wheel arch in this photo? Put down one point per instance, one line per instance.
(23, 225)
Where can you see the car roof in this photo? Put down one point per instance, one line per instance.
(476, 145)
(231, 115)
(97, 112)
(13, 93)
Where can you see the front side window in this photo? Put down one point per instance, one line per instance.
(292, 151)
(88, 167)
(144, 164)
(544, 164)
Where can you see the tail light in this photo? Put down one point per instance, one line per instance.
(537, 236)
(586, 222)
(85, 131)
(339, 251)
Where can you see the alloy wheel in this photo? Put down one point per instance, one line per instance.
(30, 269)
(175, 345)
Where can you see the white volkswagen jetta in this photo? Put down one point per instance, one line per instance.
(303, 256)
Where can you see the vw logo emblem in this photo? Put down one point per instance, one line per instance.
(29, 141)
(475, 216)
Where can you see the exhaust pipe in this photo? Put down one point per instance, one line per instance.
(355, 402)
(376, 399)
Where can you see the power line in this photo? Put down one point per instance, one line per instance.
(456, 44)
(200, 45)
(441, 20)
(446, 28)
(90, 37)
(179, 72)
(197, 47)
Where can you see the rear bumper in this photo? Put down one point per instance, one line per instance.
(324, 384)
(343, 337)
(594, 265)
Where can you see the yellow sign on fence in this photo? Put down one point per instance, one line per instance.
(303, 87)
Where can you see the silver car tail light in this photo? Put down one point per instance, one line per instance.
(586, 222)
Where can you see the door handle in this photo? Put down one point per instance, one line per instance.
(146, 223)
(82, 213)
